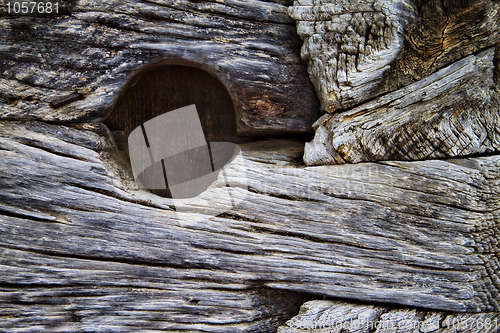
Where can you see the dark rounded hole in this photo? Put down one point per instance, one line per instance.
(161, 89)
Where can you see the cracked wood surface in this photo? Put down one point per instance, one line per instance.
(72, 221)
(350, 44)
(454, 112)
(82, 248)
(402, 80)
(347, 317)
(357, 50)
(95, 48)
(93, 296)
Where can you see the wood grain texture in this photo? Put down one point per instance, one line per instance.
(358, 50)
(347, 317)
(82, 295)
(402, 80)
(94, 49)
(84, 248)
(350, 44)
(454, 112)
(419, 234)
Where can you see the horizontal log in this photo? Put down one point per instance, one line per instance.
(94, 49)
(418, 234)
(347, 317)
(454, 112)
(64, 294)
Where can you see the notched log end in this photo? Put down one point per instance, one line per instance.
(454, 112)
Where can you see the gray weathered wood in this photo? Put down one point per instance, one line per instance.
(360, 49)
(405, 80)
(347, 317)
(454, 112)
(94, 48)
(53, 293)
(83, 248)
(419, 234)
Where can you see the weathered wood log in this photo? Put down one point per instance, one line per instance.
(454, 112)
(419, 234)
(95, 48)
(347, 317)
(358, 50)
(350, 44)
(84, 248)
(395, 75)
(62, 294)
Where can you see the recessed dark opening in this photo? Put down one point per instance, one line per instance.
(161, 89)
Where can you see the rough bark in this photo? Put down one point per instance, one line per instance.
(94, 48)
(347, 317)
(419, 234)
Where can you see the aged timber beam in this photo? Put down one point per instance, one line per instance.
(357, 50)
(402, 80)
(419, 234)
(69, 294)
(93, 49)
(454, 112)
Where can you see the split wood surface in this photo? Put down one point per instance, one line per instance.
(454, 112)
(83, 248)
(402, 80)
(347, 317)
(75, 226)
(360, 49)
